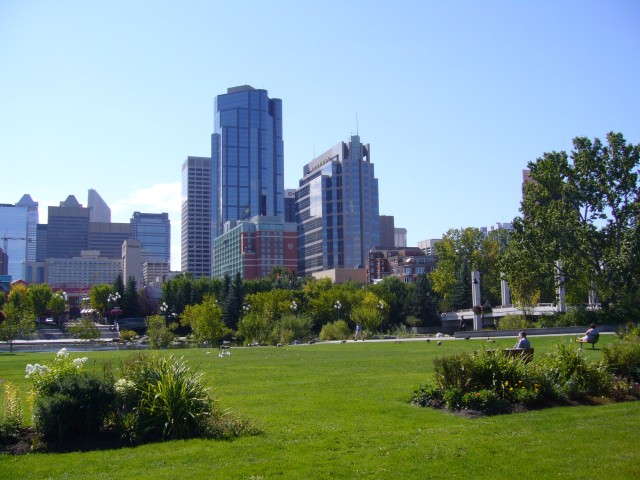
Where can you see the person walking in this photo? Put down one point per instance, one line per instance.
(358, 332)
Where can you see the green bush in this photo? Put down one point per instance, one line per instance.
(622, 357)
(427, 395)
(73, 405)
(127, 335)
(86, 329)
(11, 413)
(512, 322)
(338, 330)
(292, 327)
(568, 375)
(169, 399)
(160, 335)
(580, 316)
(453, 398)
(484, 400)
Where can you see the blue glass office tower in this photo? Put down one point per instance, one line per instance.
(154, 232)
(247, 157)
(337, 209)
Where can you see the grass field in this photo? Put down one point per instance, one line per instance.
(342, 411)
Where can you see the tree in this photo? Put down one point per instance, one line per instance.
(423, 302)
(99, 298)
(232, 303)
(160, 335)
(86, 329)
(37, 299)
(394, 292)
(57, 304)
(130, 300)
(205, 320)
(16, 320)
(369, 312)
(582, 209)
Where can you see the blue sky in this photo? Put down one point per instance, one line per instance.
(453, 97)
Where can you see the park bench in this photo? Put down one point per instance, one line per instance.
(525, 353)
(593, 341)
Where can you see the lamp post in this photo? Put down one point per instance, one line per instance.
(113, 298)
(338, 306)
(245, 308)
(294, 307)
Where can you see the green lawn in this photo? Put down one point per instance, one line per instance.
(342, 411)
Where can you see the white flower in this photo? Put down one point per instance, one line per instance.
(36, 369)
(62, 353)
(123, 385)
(78, 362)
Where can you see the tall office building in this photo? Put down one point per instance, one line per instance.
(107, 238)
(290, 205)
(400, 237)
(338, 216)
(154, 232)
(18, 225)
(247, 157)
(99, 211)
(196, 214)
(68, 230)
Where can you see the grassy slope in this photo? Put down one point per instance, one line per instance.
(341, 411)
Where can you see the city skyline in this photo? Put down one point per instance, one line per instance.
(454, 99)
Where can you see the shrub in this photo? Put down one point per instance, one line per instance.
(512, 322)
(224, 426)
(73, 405)
(567, 374)
(486, 401)
(338, 330)
(86, 329)
(160, 335)
(127, 335)
(622, 357)
(427, 395)
(11, 413)
(292, 327)
(169, 399)
(453, 371)
(453, 398)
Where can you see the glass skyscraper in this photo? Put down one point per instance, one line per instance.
(338, 214)
(247, 157)
(196, 216)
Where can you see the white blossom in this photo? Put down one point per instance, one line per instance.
(62, 353)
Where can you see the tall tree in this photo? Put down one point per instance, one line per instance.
(130, 300)
(16, 320)
(424, 301)
(37, 299)
(582, 209)
(205, 319)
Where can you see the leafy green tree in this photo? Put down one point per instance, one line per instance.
(160, 334)
(99, 298)
(395, 293)
(57, 304)
(37, 299)
(205, 320)
(16, 320)
(582, 209)
(369, 312)
(177, 293)
(86, 329)
(232, 303)
(423, 302)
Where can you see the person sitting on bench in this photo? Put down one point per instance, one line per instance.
(523, 342)
(591, 335)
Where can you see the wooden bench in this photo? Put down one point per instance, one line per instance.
(525, 353)
(593, 341)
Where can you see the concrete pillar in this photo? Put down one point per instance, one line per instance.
(560, 291)
(476, 299)
(505, 292)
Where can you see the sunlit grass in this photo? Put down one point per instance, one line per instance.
(342, 411)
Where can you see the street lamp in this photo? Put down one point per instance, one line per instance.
(294, 307)
(338, 306)
(113, 298)
(246, 307)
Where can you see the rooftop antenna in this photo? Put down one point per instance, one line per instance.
(357, 131)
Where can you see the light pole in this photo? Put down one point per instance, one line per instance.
(294, 307)
(113, 298)
(338, 306)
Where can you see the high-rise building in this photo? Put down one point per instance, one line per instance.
(387, 234)
(196, 216)
(99, 211)
(107, 238)
(337, 203)
(429, 246)
(154, 232)
(68, 230)
(17, 235)
(247, 157)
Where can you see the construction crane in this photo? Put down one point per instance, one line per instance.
(6, 239)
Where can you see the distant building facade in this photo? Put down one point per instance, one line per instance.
(290, 205)
(400, 237)
(405, 263)
(81, 272)
(99, 211)
(154, 232)
(254, 247)
(429, 246)
(337, 209)
(68, 229)
(387, 231)
(196, 216)
(107, 238)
